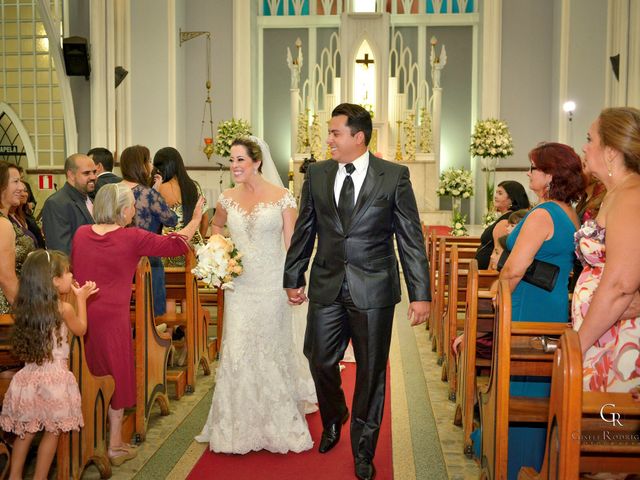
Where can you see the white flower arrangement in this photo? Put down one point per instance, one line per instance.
(491, 138)
(219, 262)
(227, 132)
(489, 217)
(458, 225)
(455, 182)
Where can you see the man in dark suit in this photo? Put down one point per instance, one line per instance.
(103, 158)
(355, 204)
(70, 207)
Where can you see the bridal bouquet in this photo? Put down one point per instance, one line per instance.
(219, 262)
(491, 138)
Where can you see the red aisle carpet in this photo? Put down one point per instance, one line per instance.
(336, 464)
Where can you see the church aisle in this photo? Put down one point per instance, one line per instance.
(426, 444)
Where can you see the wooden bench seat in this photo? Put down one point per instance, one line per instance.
(151, 354)
(581, 434)
(182, 288)
(478, 290)
(513, 354)
(457, 265)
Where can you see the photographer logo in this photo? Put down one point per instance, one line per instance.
(612, 417)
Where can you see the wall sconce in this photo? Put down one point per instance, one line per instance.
(569, 107)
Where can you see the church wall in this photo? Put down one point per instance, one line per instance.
(527, 75)
(456, 99)
(78, 12)
(215, 16)
(588, 66)
(149, 74)
(276, 103)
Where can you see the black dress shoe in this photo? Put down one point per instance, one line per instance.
(331, 435)
(365, 470)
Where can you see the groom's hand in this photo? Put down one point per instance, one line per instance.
(418, 312)
(296, 296)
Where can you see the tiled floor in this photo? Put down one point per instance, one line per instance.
(458, 465)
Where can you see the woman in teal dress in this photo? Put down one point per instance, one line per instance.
(546, 233)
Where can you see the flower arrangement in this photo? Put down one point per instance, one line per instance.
(219, 262)
(458, 224)
(455, 182)
(490, 141)
(489, 217)
(227, 132)
(491, 138)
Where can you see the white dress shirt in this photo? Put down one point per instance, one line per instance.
(361, 164)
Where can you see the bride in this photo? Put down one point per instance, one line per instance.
(263, 384)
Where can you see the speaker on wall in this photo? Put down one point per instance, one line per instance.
(76, 56)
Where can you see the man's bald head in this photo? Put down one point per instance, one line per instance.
(81, 172)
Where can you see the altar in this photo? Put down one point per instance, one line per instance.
(368, 63)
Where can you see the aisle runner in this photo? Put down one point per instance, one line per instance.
(310, 465)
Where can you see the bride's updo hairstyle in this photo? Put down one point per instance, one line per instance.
(619, 128)
(253, 150)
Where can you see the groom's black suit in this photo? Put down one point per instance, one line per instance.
(354, 285)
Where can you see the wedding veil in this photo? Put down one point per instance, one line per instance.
(269, 170)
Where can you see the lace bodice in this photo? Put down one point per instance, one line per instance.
(260, 384)
(258, 236)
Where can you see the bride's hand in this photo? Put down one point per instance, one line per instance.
(296, 296)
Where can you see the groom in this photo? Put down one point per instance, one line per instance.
(355, 204)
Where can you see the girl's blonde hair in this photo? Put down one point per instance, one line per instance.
(35, 310)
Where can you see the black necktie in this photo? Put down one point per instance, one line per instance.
(347, 196)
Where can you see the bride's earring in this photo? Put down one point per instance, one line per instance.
(609, 172)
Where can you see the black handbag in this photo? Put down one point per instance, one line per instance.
(540, 273)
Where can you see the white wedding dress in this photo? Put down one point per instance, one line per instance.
(263, 381)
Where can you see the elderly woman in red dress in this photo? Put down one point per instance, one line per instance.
(108, 254)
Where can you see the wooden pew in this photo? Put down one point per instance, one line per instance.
(457, 267)
(77, 449)
(581, 440)
(182, 286)
(151, 354)
(513, 354)
(478, 291)
(211, 297)
(438, 308)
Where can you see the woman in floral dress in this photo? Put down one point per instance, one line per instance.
(602, 297)
(14, 244)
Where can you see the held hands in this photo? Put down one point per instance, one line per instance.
(85, 291)
(296, 296)
(418, 312)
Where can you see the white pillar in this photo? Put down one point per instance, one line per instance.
(491, 58)
(102, 78)
(436, 125)
(294, 96)
(242, 59)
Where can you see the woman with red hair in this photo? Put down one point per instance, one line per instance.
(544, 234)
